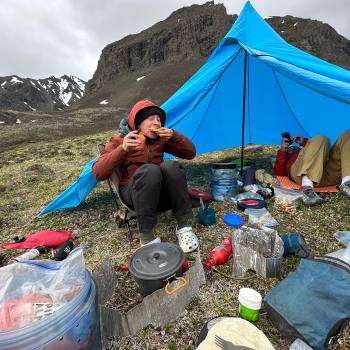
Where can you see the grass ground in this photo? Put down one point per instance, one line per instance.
(32, 174)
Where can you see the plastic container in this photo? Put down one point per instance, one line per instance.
(249, 304)
(74, 326)
(224, 178)
(31, 254)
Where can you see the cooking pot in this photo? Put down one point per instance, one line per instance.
(154, 266)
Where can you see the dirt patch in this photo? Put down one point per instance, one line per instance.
(39, 169)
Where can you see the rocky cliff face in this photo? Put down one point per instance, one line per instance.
(157, 61)
(317, 38)
(51, 94)
(187, 33)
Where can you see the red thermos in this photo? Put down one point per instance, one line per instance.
(220, 254)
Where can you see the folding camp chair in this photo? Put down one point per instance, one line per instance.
(124, 214)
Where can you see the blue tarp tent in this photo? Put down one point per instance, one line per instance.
(254, 79)
(282, 88)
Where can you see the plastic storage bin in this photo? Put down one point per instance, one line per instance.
(75, 325)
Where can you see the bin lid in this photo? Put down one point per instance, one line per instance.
(223, 166)
(156, 261)
(233, 220)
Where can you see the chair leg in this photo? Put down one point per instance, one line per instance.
(129, 231)
(126, 222)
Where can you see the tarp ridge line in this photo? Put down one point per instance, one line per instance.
(289, 106)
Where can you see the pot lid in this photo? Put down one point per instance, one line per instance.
(156, 261)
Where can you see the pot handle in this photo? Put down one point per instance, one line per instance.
(180, 286)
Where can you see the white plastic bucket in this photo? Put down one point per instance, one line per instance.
(249, 304)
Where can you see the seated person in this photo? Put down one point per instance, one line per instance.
(316, 164)
(148, 184)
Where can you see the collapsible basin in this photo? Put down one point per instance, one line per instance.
(73, 326)
(223, 181)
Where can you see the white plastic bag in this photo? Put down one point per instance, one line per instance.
(32, 289)
(343, 237)
(261, 217)
(286, 200)
(343, 254)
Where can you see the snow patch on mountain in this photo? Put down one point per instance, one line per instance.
(50, 94)
(15, 80)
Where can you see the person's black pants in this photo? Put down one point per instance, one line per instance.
(156, 188)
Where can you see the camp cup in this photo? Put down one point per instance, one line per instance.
(206, 216)
(249, 304)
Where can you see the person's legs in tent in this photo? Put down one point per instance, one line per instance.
(308, 168)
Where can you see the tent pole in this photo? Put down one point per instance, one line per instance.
(243, 111)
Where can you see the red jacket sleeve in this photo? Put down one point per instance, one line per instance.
(110, 159)
(304, 142)
(284, 161)
(279, 168)
(180, 146)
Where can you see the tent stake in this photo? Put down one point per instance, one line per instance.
(243, 111)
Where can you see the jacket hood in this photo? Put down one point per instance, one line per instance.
(140, 105)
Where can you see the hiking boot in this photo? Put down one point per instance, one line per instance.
(344, 189)
(310, 197)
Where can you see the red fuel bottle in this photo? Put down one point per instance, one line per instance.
(220, 254)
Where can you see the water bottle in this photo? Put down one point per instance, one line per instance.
(31, 254)
(62, 251)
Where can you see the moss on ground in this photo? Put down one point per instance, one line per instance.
(33, 174)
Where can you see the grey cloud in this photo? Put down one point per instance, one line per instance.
(41, 38)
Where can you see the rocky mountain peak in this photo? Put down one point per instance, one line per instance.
(157, 61)
(48, 95)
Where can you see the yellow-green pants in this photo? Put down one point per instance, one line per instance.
(322, 164)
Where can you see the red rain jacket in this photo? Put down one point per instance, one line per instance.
(114, 157)
(46, 238)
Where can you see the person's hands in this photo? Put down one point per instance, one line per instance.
(164, 132)
(299, 139)
(131, 141)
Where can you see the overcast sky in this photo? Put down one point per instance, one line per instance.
(40, 38)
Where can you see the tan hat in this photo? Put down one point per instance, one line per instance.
(239, 332)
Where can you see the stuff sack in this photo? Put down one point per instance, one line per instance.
(312, 303)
